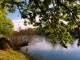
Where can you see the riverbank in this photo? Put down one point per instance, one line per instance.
(8, 53)
(12, 55)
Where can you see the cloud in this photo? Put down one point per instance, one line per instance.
(20, 23)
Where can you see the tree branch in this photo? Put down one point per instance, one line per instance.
(61, 4)
(37, 4)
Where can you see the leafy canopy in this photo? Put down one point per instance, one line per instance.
(50, 14)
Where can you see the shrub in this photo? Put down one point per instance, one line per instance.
(18, 38)
(5, 43)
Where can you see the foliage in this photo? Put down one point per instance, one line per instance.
(1, 35)
(50, 14)
(6, 25)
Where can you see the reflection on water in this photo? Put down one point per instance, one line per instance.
(57, 52)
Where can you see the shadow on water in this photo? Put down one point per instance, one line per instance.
(44, 50)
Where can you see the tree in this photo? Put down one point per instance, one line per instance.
(6, 25)
(50, 14)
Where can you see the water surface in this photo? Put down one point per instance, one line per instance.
(44, 50)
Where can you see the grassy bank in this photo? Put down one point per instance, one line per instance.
(12, 55)
(7, 52)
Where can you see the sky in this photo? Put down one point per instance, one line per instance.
(17, 21)
(14, 16)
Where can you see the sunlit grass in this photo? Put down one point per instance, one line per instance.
(12, 55)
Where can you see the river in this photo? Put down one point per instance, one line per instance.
(44, 50)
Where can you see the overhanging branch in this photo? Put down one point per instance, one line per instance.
(61, 4)
(37, 4)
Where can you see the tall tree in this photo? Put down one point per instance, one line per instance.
(50, 14)
(6, 25)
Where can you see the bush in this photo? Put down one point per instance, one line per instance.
(5, 43)
(19, 38)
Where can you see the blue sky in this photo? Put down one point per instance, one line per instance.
(14, 16)
(17, 21)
